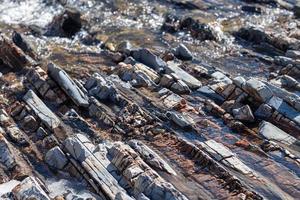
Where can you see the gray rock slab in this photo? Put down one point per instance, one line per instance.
(148, 58)
(41, 110)
(56, 158)
(210, 93)
(150, 157)
(68, 85)
(226, 156)
(220, 77)
(6, 157)
(289, 97)
(282, 107)
(191, 81)
(271, 132)
(243, 113)
(30, 188)
(183, 53)
(258, 90)
(82, 150)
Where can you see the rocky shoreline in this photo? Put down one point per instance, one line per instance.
(161, 100)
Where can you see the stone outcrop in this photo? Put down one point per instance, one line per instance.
(81, 149)
(142, 178)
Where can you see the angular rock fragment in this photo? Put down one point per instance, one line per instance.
(264, 111)
(150, 157)
(56, 158)
(17, 135)
(101, 88)
(291, 98)
(12, 55)
(180, 87)
(210, 93)
(148, 58)
(182, 52)
(166, 80)
(239, 81)
(188, 79)
(68, 85)
(244, 114)
(271, 132)
(30, 188)
(219, 77)
(181, 120)
(41, 110)
(258, 90)
(170, 100)
(6, 156)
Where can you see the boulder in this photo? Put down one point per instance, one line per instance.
(17, 135)
(271, 132)
(166, 80)
(239, 81)
(180, 87)
(264, 111)
(257, 89)
(56, 159)
(6, 156)
(183, 53)
(188, 79)
(146, 57)
(41, 110)
(219, 77)
(244, 114)
(68, 85)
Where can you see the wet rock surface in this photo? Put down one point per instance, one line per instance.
(149, 100)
